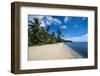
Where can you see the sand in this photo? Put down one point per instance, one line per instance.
(52, 51)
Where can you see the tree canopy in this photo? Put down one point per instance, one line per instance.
(37, 35)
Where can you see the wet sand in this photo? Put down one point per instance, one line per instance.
(52, 52)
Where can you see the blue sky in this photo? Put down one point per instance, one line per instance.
(72, 28)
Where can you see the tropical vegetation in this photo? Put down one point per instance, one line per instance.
(38, 35)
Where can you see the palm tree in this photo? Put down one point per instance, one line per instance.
(59, 33)
(48, 28)
(38, 35)
(33, 30)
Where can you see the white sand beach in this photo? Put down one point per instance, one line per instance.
(52, 51)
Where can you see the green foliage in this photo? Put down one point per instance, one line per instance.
(38, 36)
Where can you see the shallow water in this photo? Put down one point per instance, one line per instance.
(80, 47)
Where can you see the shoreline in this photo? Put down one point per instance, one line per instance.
(45, 44)
(51, 52)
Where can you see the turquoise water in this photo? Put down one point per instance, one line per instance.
(80, 47)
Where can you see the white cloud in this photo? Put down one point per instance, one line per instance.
(41, 20)
(82, 38)
(32, 17)
(40, 17)
(66, 19)
(86, 35)
(46, 20)
(63, 26)
(52, 20)
(42, 23)
(56, 21)
(49, 18)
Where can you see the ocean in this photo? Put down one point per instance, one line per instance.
(80, 47)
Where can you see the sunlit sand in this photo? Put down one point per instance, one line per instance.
(52, 51)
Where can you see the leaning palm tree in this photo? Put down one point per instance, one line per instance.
(48, 28)
(33, 30)
(38, 35)
(59, 33)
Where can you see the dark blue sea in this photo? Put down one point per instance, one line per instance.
(80, 47)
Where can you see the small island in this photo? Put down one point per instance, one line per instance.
(38, 35)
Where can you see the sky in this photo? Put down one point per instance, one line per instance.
(72, 27)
